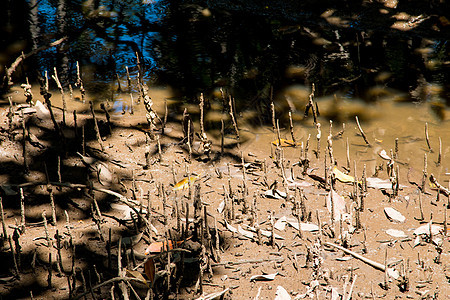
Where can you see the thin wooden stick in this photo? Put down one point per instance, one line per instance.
(128, 78)
(428, 138)
(16, 267)
(97, 130)
(80, 83)
(22, 211)
(370, 262)
(233, 119)
(52, 203)
(272, 109)
(362, 132)
(438, 163)
(222, 134)
(58, 83)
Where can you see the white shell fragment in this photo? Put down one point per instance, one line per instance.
(425, 229)
(393, 273)
(394, 215)
(384, 155)
(221, 207)
(378, 183)
(303, 226)
(396, 233)
(246, 233)
(265, 233)
(280, 224)
(42, 112)
(282, 294)
(264, 277)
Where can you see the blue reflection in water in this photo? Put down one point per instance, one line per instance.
(124, 21)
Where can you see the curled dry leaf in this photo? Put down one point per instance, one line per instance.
(246, 233)
(264, 277)
(342, 177)
(184, 183)
(104, 174)
(275, 194)
(394, 215)
(137, 275)
(230, 228)
(384, 155)
(221, 207)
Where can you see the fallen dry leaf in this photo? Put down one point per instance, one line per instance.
(137, 275)
(396, 233)
(342, 177)
(282, 294)
(184, 184)
(264, 277)
(384, 155)
(394, 215)
(150, 269)
(157, 247)
(275, 194)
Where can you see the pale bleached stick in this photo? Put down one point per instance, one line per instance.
(232, 112)
(351, 288)
(362, 132)
(370, 262)
(427, 137)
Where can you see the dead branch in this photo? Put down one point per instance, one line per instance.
(9, 72)
(370, 262)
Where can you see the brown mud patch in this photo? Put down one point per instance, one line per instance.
(104, 196)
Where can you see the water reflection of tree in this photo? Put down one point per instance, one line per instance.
(248, 46)
(244, 45)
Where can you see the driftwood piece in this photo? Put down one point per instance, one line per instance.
(370, 262)
(441, 188)
(8, 74)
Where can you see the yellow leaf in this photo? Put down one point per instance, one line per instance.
(342, 177)
(285, 143)
(137, 275)
(184, 184)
